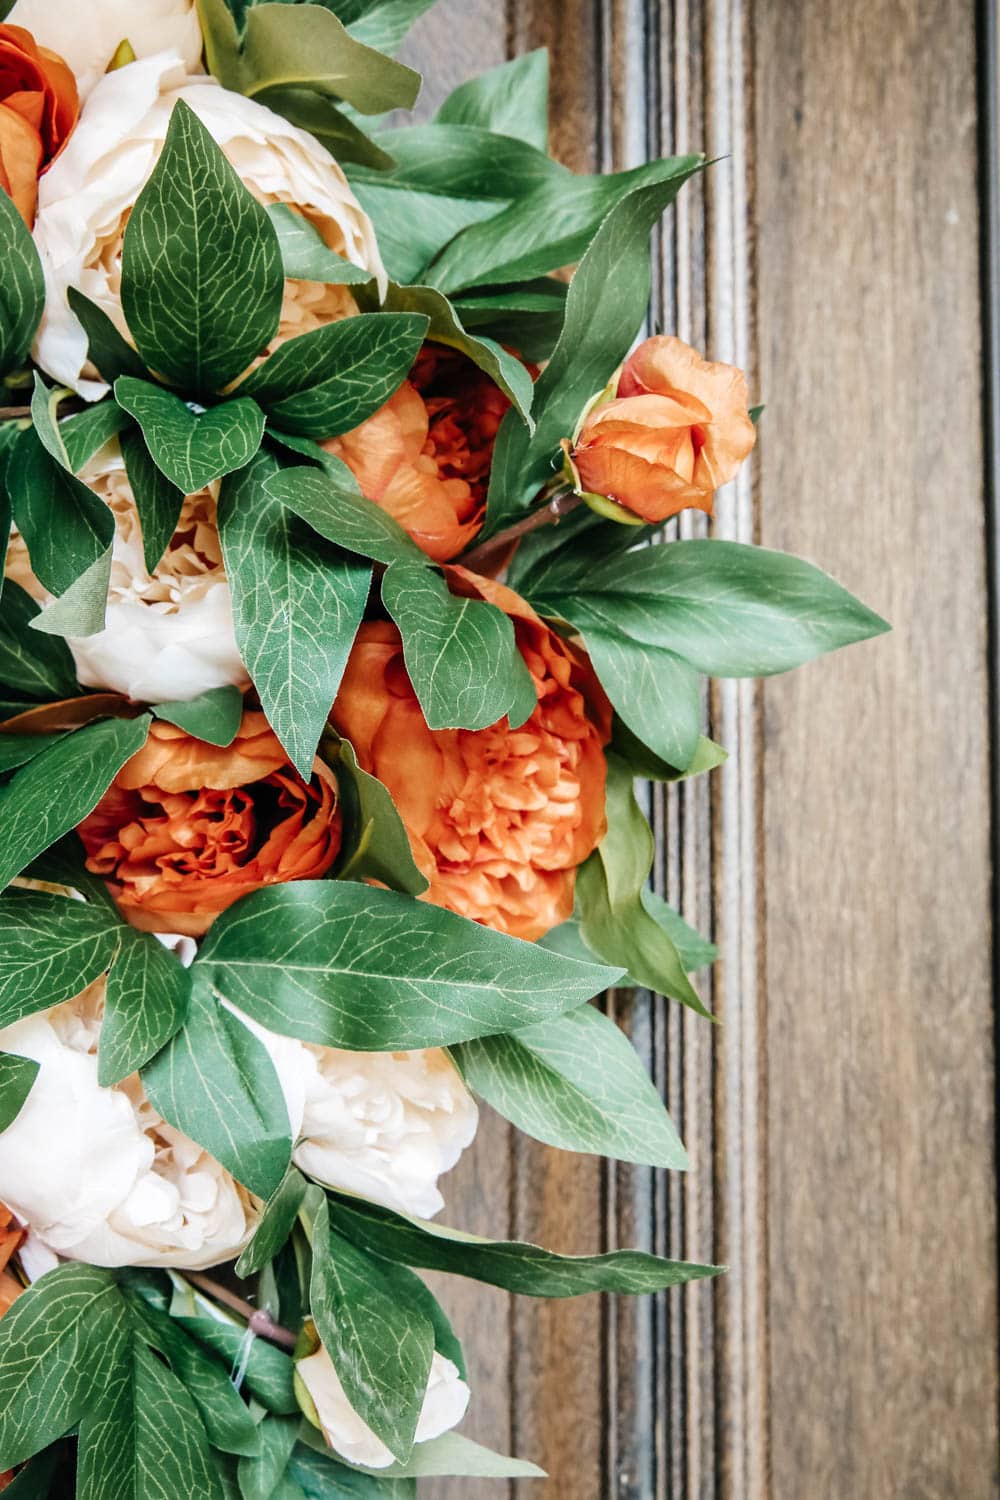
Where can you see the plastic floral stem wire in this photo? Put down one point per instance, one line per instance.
(561, 503)
(259, 1322)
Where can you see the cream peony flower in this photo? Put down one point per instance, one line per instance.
(86, 196)
(87, 33)
(384, 1125)
(96, 1173)
(168, 635)
(444, 1407)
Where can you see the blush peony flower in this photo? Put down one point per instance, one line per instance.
(499, 819)
(676, 429)
(86, 199)
(168, 634)
(88, 33)
(38, 109)
(425, 455)
(445, 1404)
(97, 1173)
(187, 828)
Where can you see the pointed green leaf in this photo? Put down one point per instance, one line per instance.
(339, 132)
(51, 948)
(382, 24)
(158, 501)
(653, 690)
(276, 1224)
(22, 288)
(17, 1076)
(305, 255)
(66, 526)
(111, 354)
(214, 716)
(375, 843)
(45, 420)
(264, 1477)
(39, 666)
(87, 432)
(459, 1457)
(192, 448)
(708, 756)
(512, 99)
(17, 749)
(329, 500)
(80, 611)
(146, 1004)
(269, 1371)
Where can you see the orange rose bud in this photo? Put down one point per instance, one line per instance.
(676, 429)
(187, 828)
(39, 106)
(425, 455)
(499, 818)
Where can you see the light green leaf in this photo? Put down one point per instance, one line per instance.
(329, 501)
(214, 716)
(202, 282)
(321, 1478)
(297, 606)
(158, 501)
(708, 756)
(375, 843)
(107, 350)
(87, 432)
(381, 1345)
(57, 790)
(192, 448)
(575, 1082)
(38, 666)
(51, 948)
(276, 1223)
(446, 641)
(17, 1076)
(458, 1456)
(350, 966)
(694, 951)
(216, 1082)
(516, 1267)
(380, 23)
(512, 99)
(306, 256)
(22, 288)
(45, 420)
(327, 382)
(80, 611)
(146, 1004)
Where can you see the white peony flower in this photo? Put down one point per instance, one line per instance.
(444, 1407)
(88, 33)
(168, 635)
(87, 194)
(96, 1173)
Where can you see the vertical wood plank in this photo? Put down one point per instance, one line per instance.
(880, 1069)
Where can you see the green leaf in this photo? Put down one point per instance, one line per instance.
(38, 666)
(380, 23)
(17, 1076)
(305, 255)
(527, 317)
(346, 965)
(297, 606)
(381, 1345)
(342, 136)
(111, 354)
(202, 282)
(87, 432)
(63, 864)
(327, 382)
(45, 420)
(214, 716)
(81, 609)
(262, 1478)
(575, 1082)
(375, 843)
(512, 99)
(653, 690)
(60, 787)
(446, 641)
(614, 920)
(516, 1267)
(276, 1224)
(694, 951)
(17, 749)
(268, 1373)
(146, 1004)
(708, 756)
(52, 948)
(303, 46)
(22, 288)
(329, 501)
(192, 448)
(458, 1456)
(34, 1481)
(216, 1082)
(408, 1287)
(158, 501)
(320, 1478)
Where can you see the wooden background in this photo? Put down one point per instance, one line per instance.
(841, 1118)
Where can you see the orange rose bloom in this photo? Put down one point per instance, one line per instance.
(425, 455)
(186, 828)
(499, 818)
(676, 430)
(38, 108)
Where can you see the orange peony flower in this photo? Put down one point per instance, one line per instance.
(38, 108)
(499, 818)
(425, 455)
(11, 1238)
(677, 428)
(187, 828)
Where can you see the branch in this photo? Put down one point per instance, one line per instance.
(260, 1322)
(480, 558)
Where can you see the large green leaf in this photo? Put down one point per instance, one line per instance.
(17, 1077)
(202, 281)
(51, 948)
(297, 605)
(268, 1371)
(575, 1082)
(327, 382)
(57, 790)
(527, 317)
(216, 1082)
(447, 640)
(305, 255)
(276, 1223)
(192, 448)
(347, 965)
(321, 1478)
(265, 1477)
(214, 716)
(380, 1343)
(379, 23)
(158, 500)
(654, 691)
(451, 1454)
(516, 1267)
(106, 348)
(17, 749)
(22, 287)
(512, 99)
(86, 432)
(39, 666)
(335, 129)
(329, 500)
(146, 1004)
(375, 843)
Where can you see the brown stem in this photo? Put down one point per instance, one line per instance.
(561, 504)
(260, 1322)
(9, 413)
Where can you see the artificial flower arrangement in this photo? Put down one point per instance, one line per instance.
(336, 628)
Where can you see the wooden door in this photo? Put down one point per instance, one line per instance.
(841, 1118)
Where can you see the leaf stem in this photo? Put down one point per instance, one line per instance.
(562, 502)
(260, 1322)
